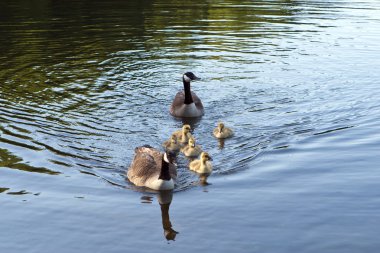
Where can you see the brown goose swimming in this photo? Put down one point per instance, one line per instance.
(186, 103)
(152, 169)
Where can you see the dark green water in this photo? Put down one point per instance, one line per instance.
(82, 83)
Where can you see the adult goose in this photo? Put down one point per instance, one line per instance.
(186, 103)
(152, 169)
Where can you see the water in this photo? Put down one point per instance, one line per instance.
(84, 82)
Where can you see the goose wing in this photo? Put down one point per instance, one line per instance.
(178, 101)
(144, 165)
(197, 101)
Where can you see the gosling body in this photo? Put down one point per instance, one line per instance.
(222, 132)
(192, 150)
(203, 165)
(183, 135)
(172, 145)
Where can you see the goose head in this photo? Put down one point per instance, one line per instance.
(205, 157)
(220, 127)
(170, 157)
(189, 76)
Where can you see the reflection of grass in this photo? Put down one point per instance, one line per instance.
(23, 192)
(11, 161)
(3, 189)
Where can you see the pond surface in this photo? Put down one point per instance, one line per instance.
(82, 83)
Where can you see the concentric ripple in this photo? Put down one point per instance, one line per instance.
(79, 90)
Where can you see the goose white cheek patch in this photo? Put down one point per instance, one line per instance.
(166, 158)
(186, 78)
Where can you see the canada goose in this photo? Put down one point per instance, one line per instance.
(191, 149)
(152, 169)
(172, 144)
(203, 165)
(184, 134)
(222, 132)
(186, 103)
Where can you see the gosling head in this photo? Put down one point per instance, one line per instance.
(205, 157)
(173, 139)
(189, 76)
(170, 157)
(192, 142)
(220, 127)
(186, 128)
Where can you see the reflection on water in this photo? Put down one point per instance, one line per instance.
(221, 143)
(164, 198)
(3, 189)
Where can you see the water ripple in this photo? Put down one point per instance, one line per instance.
(81, 94)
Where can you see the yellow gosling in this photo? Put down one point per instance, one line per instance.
(184, 134)
(222, 132)
(203, 165)
(172, 144)
(191, 150)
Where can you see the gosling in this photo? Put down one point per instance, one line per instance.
(172, 144)
(222, 132)
(191, 150)
(184, 134)
(203, 165)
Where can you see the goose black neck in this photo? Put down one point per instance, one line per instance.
(188, 97)
(164, 175)
(166, 224)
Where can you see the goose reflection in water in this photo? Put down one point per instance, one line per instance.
(193, 122)
(165, 199)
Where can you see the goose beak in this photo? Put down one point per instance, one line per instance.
(210, 158)
(195, 78)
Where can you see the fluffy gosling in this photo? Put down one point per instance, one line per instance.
(203, 165)
(191, 150)
(184, 134)
(172, 144)
(222, 132)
